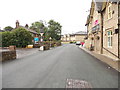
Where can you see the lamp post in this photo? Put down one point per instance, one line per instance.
(50, 42)
(41, 40)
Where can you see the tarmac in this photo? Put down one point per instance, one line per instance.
(23, 52)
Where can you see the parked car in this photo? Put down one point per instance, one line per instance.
(78, 43)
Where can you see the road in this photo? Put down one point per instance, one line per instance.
(50, 69)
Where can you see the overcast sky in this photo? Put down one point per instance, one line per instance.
(71, 14)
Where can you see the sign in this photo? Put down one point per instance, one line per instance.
(96, 22)
(36, 39)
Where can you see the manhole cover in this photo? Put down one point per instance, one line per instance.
(71, 83)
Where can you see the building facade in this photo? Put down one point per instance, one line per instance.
(78, 36)
(102, 26)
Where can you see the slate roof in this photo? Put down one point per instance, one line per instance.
(81, 32)
(30, 30)
(98, 4)
(1, 30)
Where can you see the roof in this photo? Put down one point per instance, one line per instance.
(30, 30)
(98, 5)
(1, 30)
(81, 33)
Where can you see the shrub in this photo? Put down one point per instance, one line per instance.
(19, 37)
(22, 37)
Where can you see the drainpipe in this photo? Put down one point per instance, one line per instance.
(118, 29)
(101, 13)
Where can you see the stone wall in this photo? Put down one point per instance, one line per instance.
(7, 55)
(110, 25)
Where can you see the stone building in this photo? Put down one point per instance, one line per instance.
(78, 36)
(102, 26)
(34, 33)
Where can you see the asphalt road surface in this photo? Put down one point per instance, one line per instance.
(51, 69)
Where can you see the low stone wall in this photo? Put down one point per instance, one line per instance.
(7, 55)
(46, 47)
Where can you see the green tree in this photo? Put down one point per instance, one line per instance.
(37, 26)
(8, 28)
(54, 30)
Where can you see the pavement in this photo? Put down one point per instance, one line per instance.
(23, 52)
(111, 62)
(52, 69)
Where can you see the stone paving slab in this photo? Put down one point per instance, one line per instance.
(112, 63)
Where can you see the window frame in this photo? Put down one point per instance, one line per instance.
(109, 39)
(109, 11)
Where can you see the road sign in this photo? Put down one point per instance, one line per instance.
(36, 39)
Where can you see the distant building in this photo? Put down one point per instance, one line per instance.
(1, 30)
(78, 36)
(34, 33)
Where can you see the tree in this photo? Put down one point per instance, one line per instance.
(54, 30)
(36, 26)
(8, 28)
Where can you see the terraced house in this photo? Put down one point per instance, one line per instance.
(78, 36)
(102, 26)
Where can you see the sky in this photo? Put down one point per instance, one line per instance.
(71, 14)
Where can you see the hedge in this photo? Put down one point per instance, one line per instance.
(19, 37)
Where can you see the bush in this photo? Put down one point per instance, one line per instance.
(20, 37)
(7, 38)
(23, 37)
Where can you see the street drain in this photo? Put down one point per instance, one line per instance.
(71, 83)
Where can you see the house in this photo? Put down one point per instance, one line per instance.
(34, 33)
(102, 27)
(1, 30)
(78, 36)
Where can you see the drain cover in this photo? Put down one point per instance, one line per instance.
(71, 83)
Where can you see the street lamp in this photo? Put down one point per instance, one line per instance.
(50, 41)
(41, 33)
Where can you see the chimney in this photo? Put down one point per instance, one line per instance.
(17, 24)
(26, 26)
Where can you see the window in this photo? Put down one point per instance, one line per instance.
(110, 11)
(109, 34)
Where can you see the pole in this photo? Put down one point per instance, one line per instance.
(119, 29)
(101, 32)
(41, 38)
(41, 47)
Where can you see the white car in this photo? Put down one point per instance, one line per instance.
(78, 43)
